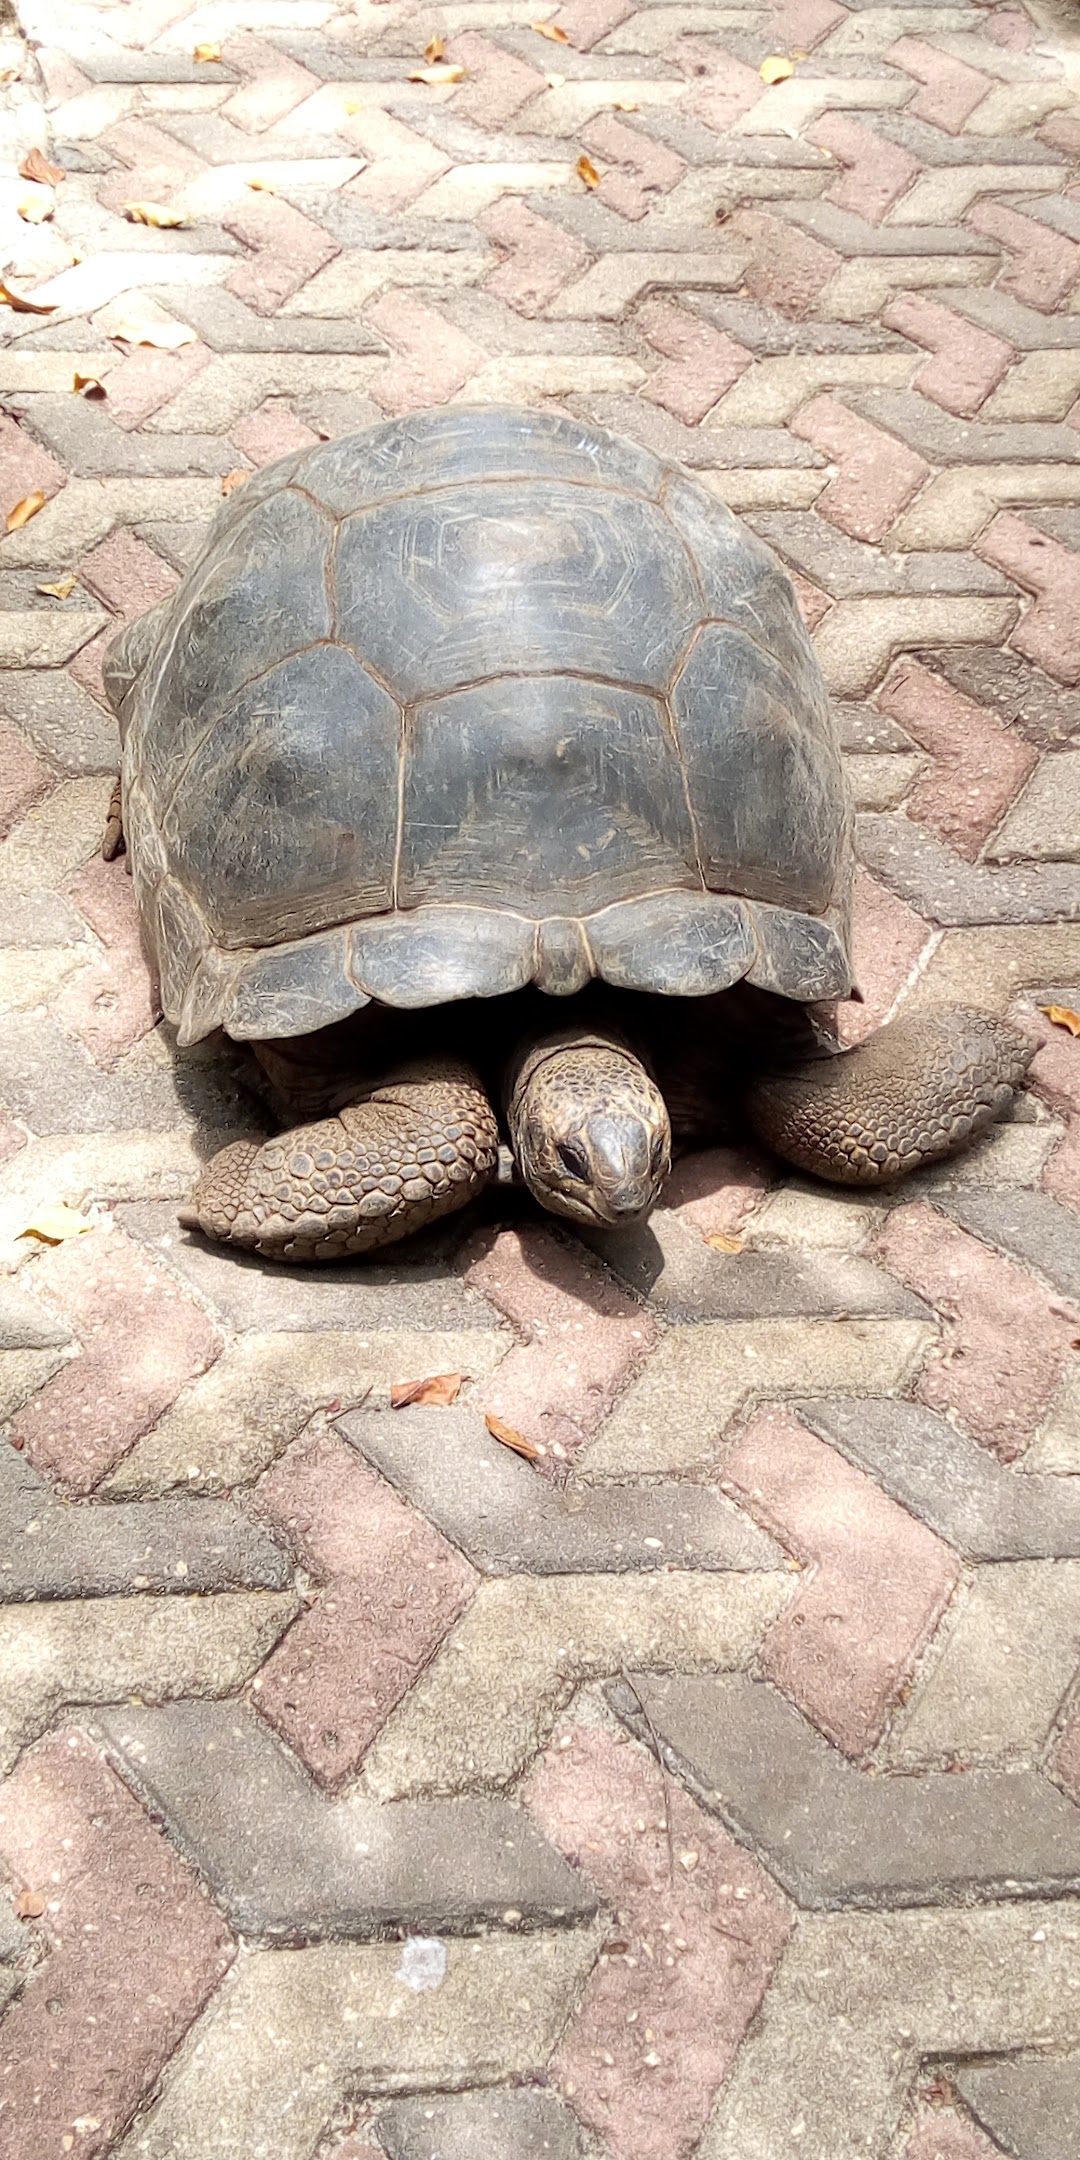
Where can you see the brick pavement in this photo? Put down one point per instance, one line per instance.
(712, 1787)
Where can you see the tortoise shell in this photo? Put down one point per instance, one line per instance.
(477, 698)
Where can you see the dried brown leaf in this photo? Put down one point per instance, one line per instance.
(586, 170)
(234, 479)
(550, 30)
(1062, 1016)
(22, 305)
(36, 166)
(152, 213)
(88, 386)
(55, 1225)
(445, 74)
(508, 1436)
(62, 590)
(776, 69)
(207, 52)
(36, 209)
(25, 510)
(164, 336)
(441, 1390)
(720, 1242)
(434, 50)
(29, 1905)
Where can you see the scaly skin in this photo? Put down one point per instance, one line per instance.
(917, 1091)
(420, 1145)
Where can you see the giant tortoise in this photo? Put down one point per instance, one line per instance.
(475, 711)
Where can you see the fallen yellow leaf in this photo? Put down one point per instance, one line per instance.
(88, 386)
(445, 74)
(36, 166)
(550, 30)
(554, 82)
(720, 1242)
(265, 187)
(25, 510)
(149, 213)
(207, 52)
(434, 50)
(1062, 1016)
(508, 1436)
(586, 170)
(29, 1905)
(54, 1225)
(626, 105)
(234, 479)
(23, 306)
(442, 1390)
(62, 590)
(776, 69)
(165, 336)
(34, 209)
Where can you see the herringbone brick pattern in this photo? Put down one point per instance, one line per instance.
(710, 1786)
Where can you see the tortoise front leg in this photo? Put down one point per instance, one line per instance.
(918, 1090)
(421, 1144)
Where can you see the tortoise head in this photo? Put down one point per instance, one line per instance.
(590, 1132)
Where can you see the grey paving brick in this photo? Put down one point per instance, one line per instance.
(1008, 318)
(845, 567)
(89, 441)
(1041, 709)
(61, 719)
(865, 731)
(52, 1548)
(1030, 2104)
(1043, 824)
(945, 889)
(986, 1509)
(24, 1324)
(945, 441)
(226, 325)
(1058, 211)
(853, 236)
(1061, 524)
(733, 449)
(48, 1080)
(39, 918)
(284, 1861)
(176, 542)
(766, 331)
(507, 2125)
(217, 142)
(933, 146)
(668, 1262)
(833, 1835)
(1031, 1227)
(415, 1291)
(355, 226)
(104, 62)
(509, 1519)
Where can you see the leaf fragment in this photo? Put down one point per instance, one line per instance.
(509, 1437)
(36, 166)
(443, 74)
(554, 82)
(625, 105)
(259, 186)
(62, 590)
(440, 1390)
(586, 170)
(434, 50)
(36, 209)
(776, 69)
(550, 30)
(720, 1242)
(24, 306)
(25, 510)
(151, 213)
(29, 1905)
(207, 52)
(1062, 1016)
(234, 479)
(54, 1225)
(163, 335)
(87, 386)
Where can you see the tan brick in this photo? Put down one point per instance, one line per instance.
(858, 638)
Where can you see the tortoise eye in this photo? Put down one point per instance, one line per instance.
(573, 1160)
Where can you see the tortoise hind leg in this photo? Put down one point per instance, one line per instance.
(917, 1091)
(421, 1144)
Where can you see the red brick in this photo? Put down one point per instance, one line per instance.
(25, 468)
(941, 2134)
(728, 90)
(270, 432)
(640, 170)
(660, 2022)
(288, 249)
(274, 85)
(403, 163)
(584, 1337)
(12, 1139)
(158, 165)
(788, 269)
(542, 257)
(804, 23)
(127, 574)
(702, 362)
(877, 172)
(814, 604)
(1004, 1340)
(135, 1951)
(142, 1338)
(876, 475)
(967, 362)
(147, 380)
(111, 1005)
(1055, 1075)
(978, 765)
(888, 939)
(587, 21)
(436, 359)
(1010, 28)
(498, 84)
(1046, 261)
(61, 77)
(23, 778)
(1065, 1763)
(1049, 633)
(89, 661)
(952, 88)
(393, 1587)
(719, 1189)
(879, 1585)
